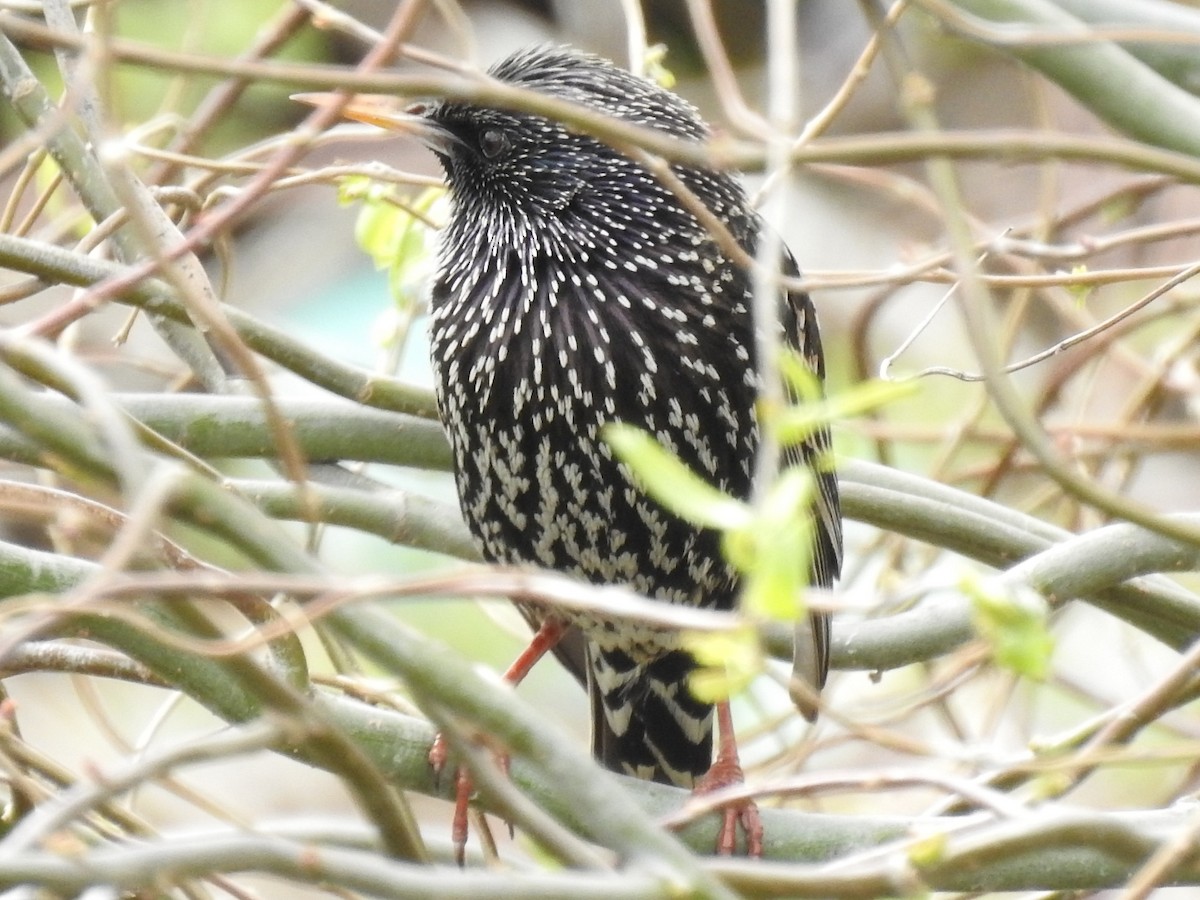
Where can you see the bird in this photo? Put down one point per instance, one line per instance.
(575, 289)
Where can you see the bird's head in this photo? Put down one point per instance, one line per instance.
(516, 173)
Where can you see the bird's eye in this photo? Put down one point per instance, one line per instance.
(493, 142)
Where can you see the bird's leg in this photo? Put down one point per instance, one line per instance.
(726, 771)
(542, 642)
(545, 639)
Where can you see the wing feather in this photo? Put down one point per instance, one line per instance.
(810, 663)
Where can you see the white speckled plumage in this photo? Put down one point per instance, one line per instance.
(576, 290)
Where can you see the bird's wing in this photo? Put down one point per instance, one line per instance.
(810, 662)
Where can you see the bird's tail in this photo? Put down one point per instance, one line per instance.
(645, 721)
(810, 663)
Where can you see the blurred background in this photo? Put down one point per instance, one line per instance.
(1121, 409)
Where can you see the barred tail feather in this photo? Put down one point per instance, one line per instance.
(645, 721)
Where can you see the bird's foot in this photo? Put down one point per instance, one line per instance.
(727, 772)
(549, 633)
(439, 753)
(460, 828)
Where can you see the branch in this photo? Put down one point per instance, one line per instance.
(145, 866)
(905, 504)
(231, 426)
(723, 152)
(56, 265)
(1107, 79)
(560, 778)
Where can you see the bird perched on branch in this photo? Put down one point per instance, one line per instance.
(576, 289)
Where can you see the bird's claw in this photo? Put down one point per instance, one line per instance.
(460, 828)
(741, 813)
(744, 814)
(439, 754)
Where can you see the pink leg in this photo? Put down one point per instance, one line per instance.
(547, 636)
(725, 772)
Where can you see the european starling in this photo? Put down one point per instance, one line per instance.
(575, 289)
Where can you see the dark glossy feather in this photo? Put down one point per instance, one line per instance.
(576, 290)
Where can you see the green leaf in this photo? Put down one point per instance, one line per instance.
(663, 477)
(353, 188)
(1081, 292)
(656, 67)
(776, 549)
(379, 229)
(413, 249)
(1049, 786)
(798, 421)
(727, 662)
(396, 235)
(802, 381)
(770, 546)
(1014, 623)
(928, 850)
(1119, 208)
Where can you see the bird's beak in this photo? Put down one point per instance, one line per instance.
(391, 114)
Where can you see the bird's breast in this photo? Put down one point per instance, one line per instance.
(532, 362)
